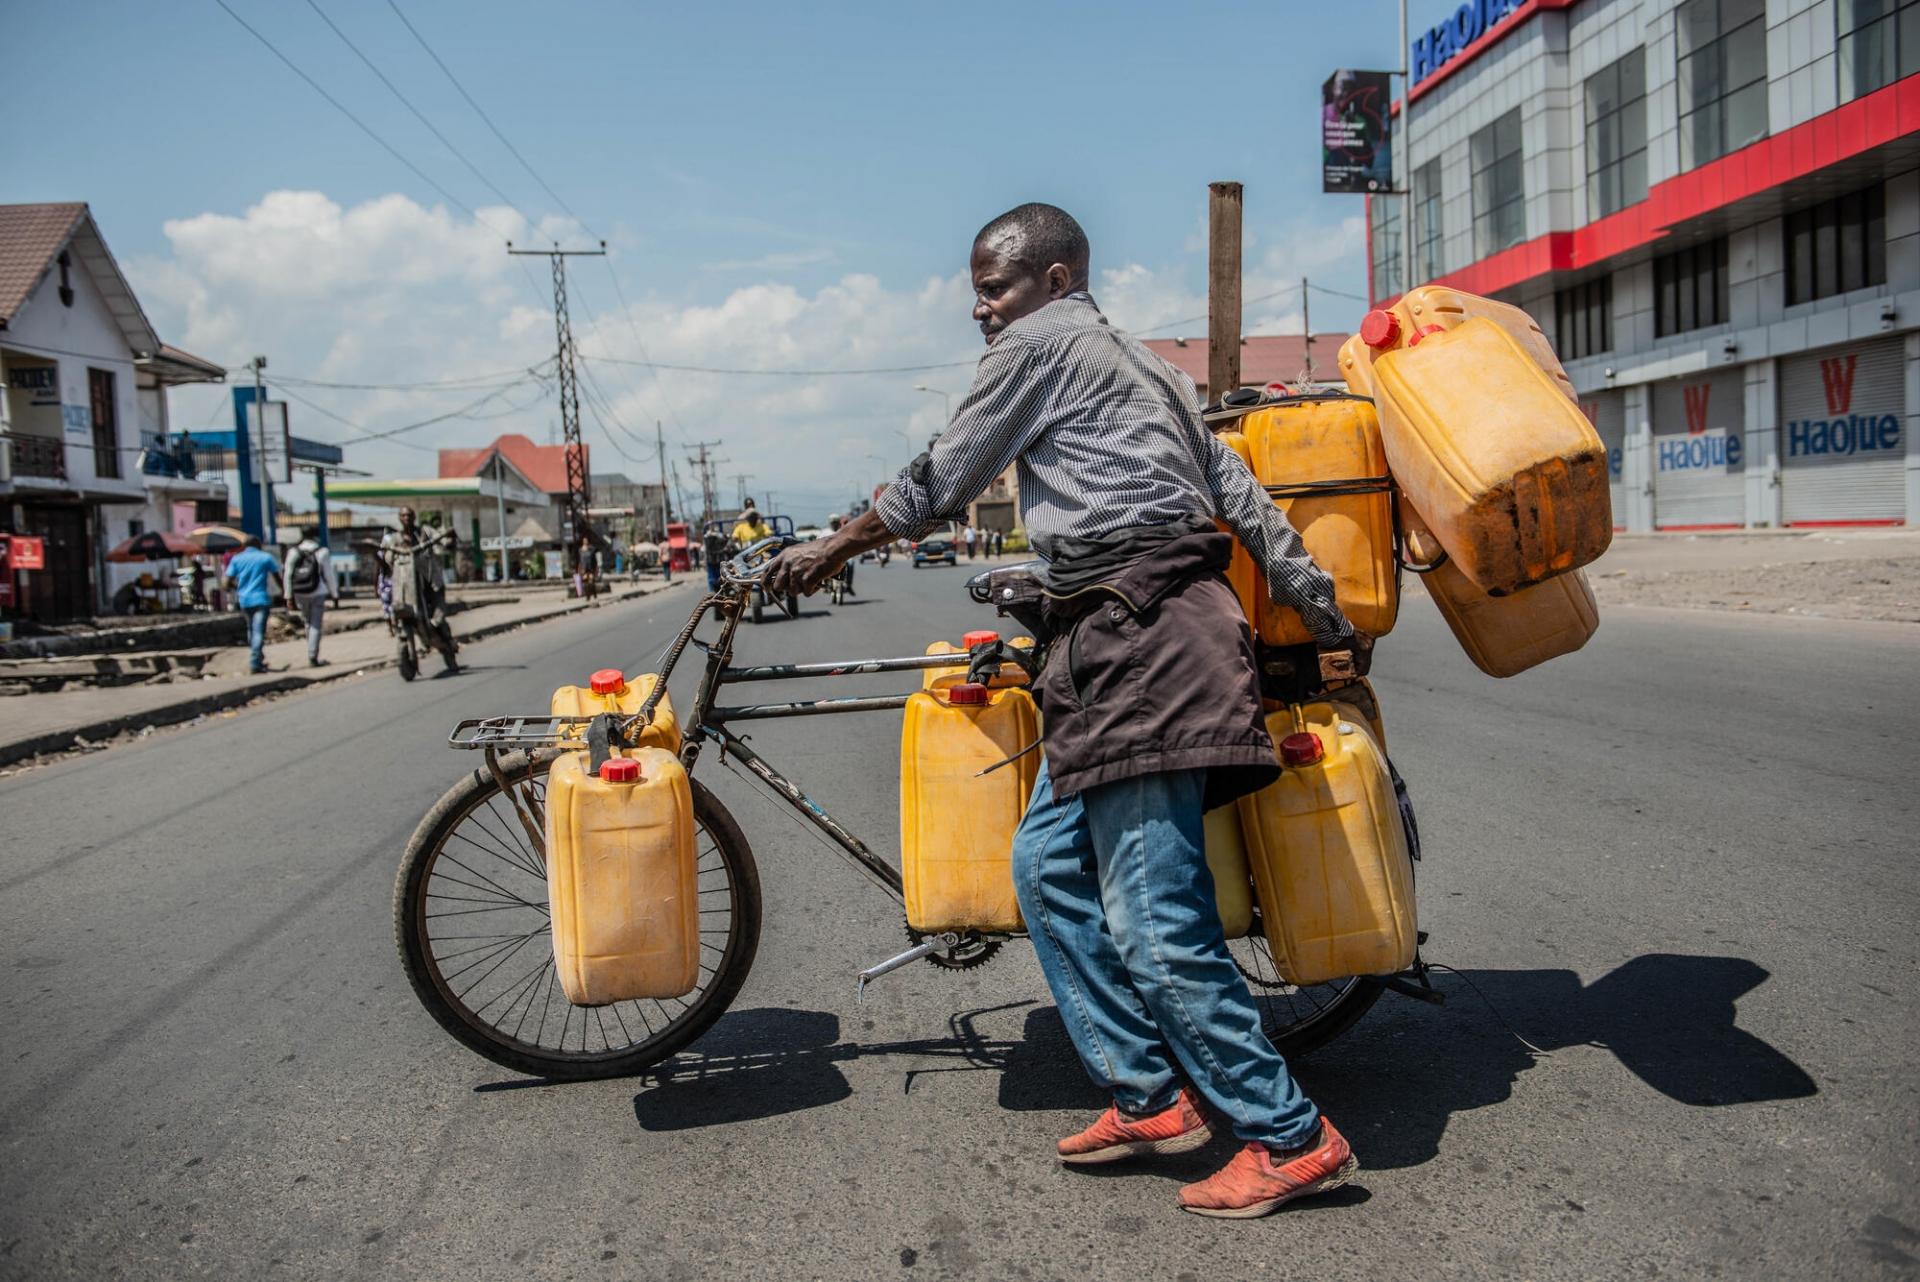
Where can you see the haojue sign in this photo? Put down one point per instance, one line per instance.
(1844, 432)
(1355, 154)
(1437, 46)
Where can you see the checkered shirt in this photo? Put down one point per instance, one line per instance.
(1106, 435)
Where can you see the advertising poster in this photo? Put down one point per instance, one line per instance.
(1354, 126)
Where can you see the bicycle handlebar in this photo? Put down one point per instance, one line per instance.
(749, 565)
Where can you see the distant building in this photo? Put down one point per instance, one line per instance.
(87, 455)
(625, 510)
(1264, 359)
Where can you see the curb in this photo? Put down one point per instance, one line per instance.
(199, 705)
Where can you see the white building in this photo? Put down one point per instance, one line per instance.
(1713, 208)
(83, 412)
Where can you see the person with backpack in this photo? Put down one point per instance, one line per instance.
(310, 587)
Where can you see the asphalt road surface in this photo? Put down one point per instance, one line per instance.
(1681, 864)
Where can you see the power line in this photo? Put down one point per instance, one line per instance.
(365, 128)
(780, 373)
(486, 118)
(446, 142)
(1337, 293)
(465, 411)
(471, 382)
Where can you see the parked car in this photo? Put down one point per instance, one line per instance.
(939, 547)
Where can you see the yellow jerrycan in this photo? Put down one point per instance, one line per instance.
(1011, 674)
(622, 881)
(1321, 457)
(1227, 861)
(1328, 853)
(956, 825)
(1248, 583)
(1508, 473)
(1503, 635)
(608, 690)
(1431, 307)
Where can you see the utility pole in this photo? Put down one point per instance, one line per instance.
(579, 491)
(705, 464)
(268, 531)
(740, 480)
(1224, 204)
(660, 444)
(500, 506)
(1306, 323)
(1406, 144)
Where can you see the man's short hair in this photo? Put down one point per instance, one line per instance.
(1037, 236)
(253, 541)
(309, 531)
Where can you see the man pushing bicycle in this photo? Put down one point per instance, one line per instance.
(1152, 706)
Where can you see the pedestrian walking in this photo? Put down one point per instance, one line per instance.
(713, 550)
(311, 588)
(1151, 704)
(968, 536)
(254, 576)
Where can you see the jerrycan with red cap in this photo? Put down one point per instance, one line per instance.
(945, 678)
(622, 881)
(1488, 447)
(609, 690)
(1329, 857)
(956, 824)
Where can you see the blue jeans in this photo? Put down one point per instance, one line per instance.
(1114, 885)
(713, 575)
(257, 634)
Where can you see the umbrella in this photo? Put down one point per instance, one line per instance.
(218, 538)
(154, 545)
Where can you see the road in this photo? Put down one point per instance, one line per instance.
(1680, 864)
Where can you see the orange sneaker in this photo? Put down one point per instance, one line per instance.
(1257, 1181)
(1179, 1128)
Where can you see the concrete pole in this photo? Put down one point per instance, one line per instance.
(500, 507)
(268, 525)
(1406, 146)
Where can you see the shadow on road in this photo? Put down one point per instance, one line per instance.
(1669, 1019)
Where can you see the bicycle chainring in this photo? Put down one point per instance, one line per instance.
(971, 953)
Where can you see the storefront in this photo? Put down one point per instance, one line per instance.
(1699, 451)
(1607, 411)
(1843, 435)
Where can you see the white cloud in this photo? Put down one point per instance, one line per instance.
(390, 291)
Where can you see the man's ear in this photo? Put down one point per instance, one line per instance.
(1059, 281)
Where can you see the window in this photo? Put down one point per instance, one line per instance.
(106, 434)
(1837, 246)
(1389, 260)
(1690, 288)
(1499, 192)
(1879, 43)
(1723, 77)
(1583, 319)
(1426, 220)
(1617, 135)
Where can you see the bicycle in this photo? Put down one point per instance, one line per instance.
(840, 586)
(470, 901)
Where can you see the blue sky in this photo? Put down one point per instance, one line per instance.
(782, 186)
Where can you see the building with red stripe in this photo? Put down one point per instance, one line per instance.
(1713, 209)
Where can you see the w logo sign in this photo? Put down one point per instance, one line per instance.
(1696, 397)
(1836, 372)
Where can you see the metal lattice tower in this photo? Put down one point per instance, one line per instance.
(579, 485)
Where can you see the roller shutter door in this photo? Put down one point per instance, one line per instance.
(1699, 450)
(1843, 434)
(1607, 411)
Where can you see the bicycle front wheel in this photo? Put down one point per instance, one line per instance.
(471, 922)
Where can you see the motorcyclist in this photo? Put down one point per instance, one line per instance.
(751, 528)
(834, 522)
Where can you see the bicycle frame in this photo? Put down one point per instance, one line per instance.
(710, 721)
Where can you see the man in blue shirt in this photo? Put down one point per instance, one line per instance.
(255, 577)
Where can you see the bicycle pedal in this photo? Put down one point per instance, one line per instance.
(932, 944)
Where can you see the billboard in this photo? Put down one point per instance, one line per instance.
(1355, 155)
(276, 445)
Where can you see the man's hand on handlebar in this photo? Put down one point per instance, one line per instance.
(805, 567)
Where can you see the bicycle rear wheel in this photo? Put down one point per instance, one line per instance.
(1299, 1018)
(471, 922)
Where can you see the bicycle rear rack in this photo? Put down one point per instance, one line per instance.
(542, 731)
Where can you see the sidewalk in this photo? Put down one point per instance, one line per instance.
(52, 722)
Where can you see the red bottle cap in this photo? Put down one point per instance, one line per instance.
(607, 681)
(972, 639)
(1422, 332)
(1302, 749)
(967, 694)
(620, 770)
(1379, 328)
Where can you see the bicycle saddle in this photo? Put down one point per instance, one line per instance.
(1026, 578)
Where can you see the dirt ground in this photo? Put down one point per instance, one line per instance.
(1840, 574)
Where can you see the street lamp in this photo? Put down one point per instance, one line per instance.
(946, 402)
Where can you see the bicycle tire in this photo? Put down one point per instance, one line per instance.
(426, 970)
(409, 665)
